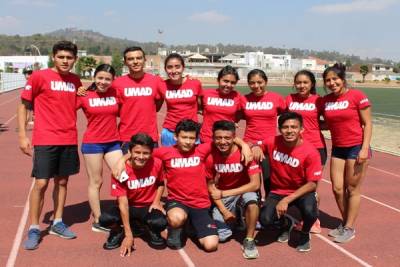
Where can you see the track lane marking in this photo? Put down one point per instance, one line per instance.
(387, 172)
(186, 258)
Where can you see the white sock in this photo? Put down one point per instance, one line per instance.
(57, 221)
(34, 226)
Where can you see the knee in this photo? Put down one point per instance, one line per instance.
(310, 212)
(61, 181)
(353, 190)
(252, 206)
(176, 219)
(337, 190)
(210, 244)
(41, 185)
(96, 182)
(265, 218)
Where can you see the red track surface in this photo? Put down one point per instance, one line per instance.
(377, 241)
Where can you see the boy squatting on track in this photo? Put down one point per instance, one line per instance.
(188, 197)
(295, 172)
(232, 183)
(52, 92)
(138, 198)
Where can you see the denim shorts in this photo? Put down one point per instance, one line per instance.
(100, 148)
(350, 152)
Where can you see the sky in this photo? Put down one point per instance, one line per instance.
(366, 28)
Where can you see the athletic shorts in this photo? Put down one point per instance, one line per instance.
(100, 148)
(348, 152)
(323, 155)
(55, 161)
(200, 219)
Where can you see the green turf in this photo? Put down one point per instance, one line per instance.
(384, 100)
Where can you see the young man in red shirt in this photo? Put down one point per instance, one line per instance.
(295, 172)
(231, 183)
(52, 93)
(139, 97)
(138, 198)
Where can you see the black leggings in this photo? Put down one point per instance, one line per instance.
(266, 175)
(155, 220)
(306, 204)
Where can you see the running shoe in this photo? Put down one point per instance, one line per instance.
(249, 248)
(114, 239)
(33, 239)
(347, 235)
(156, 239)
(337, 231)
(174, 239)
(304, 244)
(61, 229)
(315, 229)
(285, 233)
(96, 227)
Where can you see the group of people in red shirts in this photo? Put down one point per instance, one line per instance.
(212, 177)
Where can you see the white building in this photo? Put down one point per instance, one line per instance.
(272, 63)
(18, 63)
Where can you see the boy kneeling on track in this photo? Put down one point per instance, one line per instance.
(232, 184)
(138, 191)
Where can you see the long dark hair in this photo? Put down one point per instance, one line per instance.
(102, 67)
(339, 69)
(311, 76)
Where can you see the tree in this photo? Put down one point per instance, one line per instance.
(364, 71)
(50, 63)
(85, 66)
(117, 63)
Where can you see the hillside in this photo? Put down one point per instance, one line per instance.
(99, 44)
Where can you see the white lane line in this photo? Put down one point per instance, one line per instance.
(10, 119)
(18, 236)
(186, 258)
(391, 173)
(372, 200)
(344, 251)
(9, 101)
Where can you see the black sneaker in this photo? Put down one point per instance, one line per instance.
(284, 236)
(174, 239)
(304, 244)
(156, 239)
(114, 240)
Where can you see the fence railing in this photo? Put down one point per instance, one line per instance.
(11, 81)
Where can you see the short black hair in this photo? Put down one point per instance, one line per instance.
(141, 139)
(228, 70)
(187, 125)
(65, 45)
(289, 115)
(132, 49)
(224, 125)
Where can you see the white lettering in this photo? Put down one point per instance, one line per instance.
(220, 102)
(185, 162)
(259, 105)
(336, 105)
(182, 93)
(140, 183)
(62, 86)
(139, 91)
(302, 106)
(102, 102)
(284, 158)
(364, 101)
(224, 168)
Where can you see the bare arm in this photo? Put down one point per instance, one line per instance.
(252, 186)
(24, 142)
(157, 200)
(212, 189)
(159, 104)
(200, 105)
(128, 242)
(366, 121)
(247, 155)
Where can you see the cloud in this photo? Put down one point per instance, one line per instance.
(8, 22)
(354, 6)
(211, 16)
(110, 13)
(38, 3)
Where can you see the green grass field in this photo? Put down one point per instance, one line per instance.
(385, 101)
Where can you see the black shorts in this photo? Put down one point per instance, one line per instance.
(200, 219)
(350, 152)
(323, 155)
(55, 161)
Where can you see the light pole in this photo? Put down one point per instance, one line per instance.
(34, 57)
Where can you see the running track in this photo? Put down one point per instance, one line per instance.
(376, 244)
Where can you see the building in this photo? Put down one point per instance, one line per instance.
(17, 64)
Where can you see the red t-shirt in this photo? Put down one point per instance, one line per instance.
(101, 111)
(185, 174)
(54, 99)
(232, 173)
(291, 167)
(141, 186)
(138, 109)
(310, 109)
(181, 102)
(261, 113)
(342, 114)
(217, 107)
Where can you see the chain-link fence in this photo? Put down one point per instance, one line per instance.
(11, 81)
